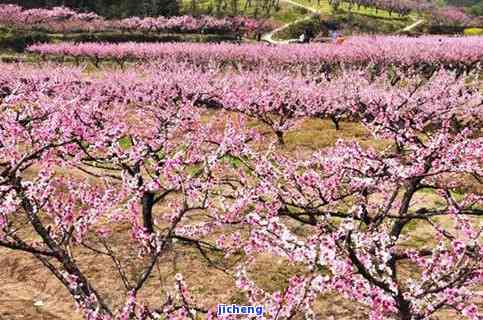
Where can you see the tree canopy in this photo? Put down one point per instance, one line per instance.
(109, 8)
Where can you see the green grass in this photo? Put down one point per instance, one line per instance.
(210, 7)
(373, 13)
(286, 13)
(324, 7)
(357, 20)
(296, 29)
(125, 143)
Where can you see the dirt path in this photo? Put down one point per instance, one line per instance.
(412, 26)
(29, 292)
(268, 37)
(296, 4)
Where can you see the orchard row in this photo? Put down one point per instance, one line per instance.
(62, 19)
(278, 99)
(459, 53)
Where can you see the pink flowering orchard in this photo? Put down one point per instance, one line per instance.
(358, 204)
(428, 52)
(134, 166)
(63, 19)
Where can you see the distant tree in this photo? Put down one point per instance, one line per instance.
(163, 7)
(477, 9)
(109, 8)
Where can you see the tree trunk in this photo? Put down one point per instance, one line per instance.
(280, 139)
(84, 290)
(148, 203)
(336, 121)
(404, 309)
(193, 7)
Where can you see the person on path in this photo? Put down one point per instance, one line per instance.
(340, 39)
(333, 35)
(336, 37)
(306, 36)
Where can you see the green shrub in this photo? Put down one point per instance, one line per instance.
(117, 37)
(18, 41)
(473, 32)
(444, 29)
(357, 23)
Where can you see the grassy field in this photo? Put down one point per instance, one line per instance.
(284, 14)
(325, 8)
(289, 13)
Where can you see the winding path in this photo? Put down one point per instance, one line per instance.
(268, 37)
(296, 4)
(412, 26)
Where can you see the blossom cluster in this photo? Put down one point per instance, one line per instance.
(449, 15)
(63, 19)
(360, 50)
(151, 159)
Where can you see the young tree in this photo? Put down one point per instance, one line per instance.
(81, 158)
(357, 206)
